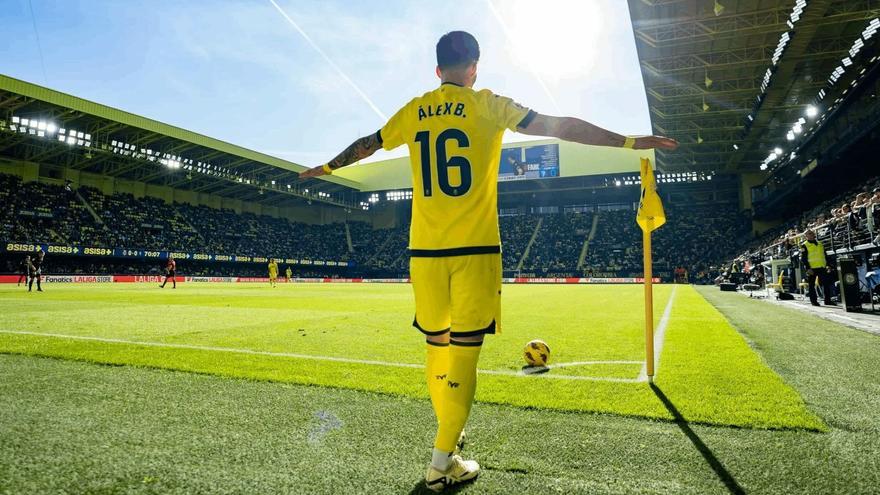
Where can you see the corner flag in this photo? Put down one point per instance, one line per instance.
(649, 217)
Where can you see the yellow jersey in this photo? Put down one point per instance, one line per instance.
(454, 138)
(273, 270)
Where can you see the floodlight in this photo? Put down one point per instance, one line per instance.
(777, 150)
(51, 128)
(812, 111)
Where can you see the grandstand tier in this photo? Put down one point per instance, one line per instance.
(78, 224)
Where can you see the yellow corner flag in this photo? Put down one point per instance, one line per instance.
(650, 215)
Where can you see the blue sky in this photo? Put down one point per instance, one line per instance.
(237, 70)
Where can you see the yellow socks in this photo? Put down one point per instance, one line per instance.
(436, 369)
(457, 394)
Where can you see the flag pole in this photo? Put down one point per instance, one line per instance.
(649, 300)
(649, 217)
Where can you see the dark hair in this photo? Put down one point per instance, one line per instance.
(457, 48)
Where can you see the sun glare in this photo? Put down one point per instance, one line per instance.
(555, 38)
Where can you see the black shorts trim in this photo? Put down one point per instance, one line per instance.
(427, 332)
(483, 331)
(437, 344)
(465, 344)
(461, 251)
(379, 137)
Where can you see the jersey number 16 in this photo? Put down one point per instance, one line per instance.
(444, 162)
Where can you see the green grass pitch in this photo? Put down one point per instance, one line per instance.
(359, 336)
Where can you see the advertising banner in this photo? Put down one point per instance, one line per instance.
(531, 162)
(157, 279)
(15, 247)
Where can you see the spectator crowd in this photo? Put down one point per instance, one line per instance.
(595, 243)
(847, 222)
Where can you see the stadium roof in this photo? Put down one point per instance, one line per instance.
(49, 127)
(730, 78)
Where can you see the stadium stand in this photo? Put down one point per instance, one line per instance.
(846, 225)
(516, 230)
(45, 213)
(558, 243)
(850, 221)
(615, 248)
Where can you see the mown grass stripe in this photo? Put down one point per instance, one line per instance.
(327, 358)
(709, 371)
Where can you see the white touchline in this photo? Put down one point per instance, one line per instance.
(324, 358)
(659, 338)
(589, 363)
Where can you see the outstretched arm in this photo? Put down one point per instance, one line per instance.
(357, 150)
(580, 131)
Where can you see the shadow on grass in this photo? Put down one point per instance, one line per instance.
(422, 489)
(716, 465)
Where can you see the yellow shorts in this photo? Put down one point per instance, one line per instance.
(461, 294)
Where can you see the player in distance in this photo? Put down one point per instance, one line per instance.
(36, 271)
(454, 138)
(170, 273)
(273, 272)
(24, 270)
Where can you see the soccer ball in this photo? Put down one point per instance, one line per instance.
(537, 353)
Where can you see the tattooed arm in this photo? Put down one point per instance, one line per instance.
(357, 150)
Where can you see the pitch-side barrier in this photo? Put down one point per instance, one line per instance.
(154, 279)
